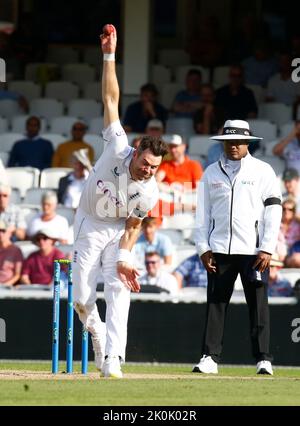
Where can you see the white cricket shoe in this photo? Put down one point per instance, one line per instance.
(112, 367)
(98, 347)
(206, 365)
(264, 367)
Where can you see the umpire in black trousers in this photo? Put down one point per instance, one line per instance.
(237, 225)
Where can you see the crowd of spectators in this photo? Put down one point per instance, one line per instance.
(252, 62)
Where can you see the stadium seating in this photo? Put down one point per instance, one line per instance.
(286, 128)
(18, 124)
(66, 212)
(85, 109)
(63, 91)
(33, 196)
(78, 73)
(15, 196)
(168, 93)
(92, 56)
(181, 253)
(160, 75)
(3, 125)
(26, 247)
(41, 71)
(96, 142)
(268, 147)
(7, 140)
(46, 107)
(93, 90)
(28, 89)
(50, 177)
(220, 76)
(276, 112)
(264, 129)
(4, 158)
(200, 145)
(23, 178)
(62, 55)
(9, 108)
(277, 163)
(181, 126)
(173, 57)
(54, 138)
(175, 235)
(96, 126)
(63, 125)
(258, 91)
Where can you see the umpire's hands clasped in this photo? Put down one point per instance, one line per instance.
(262, 261)
(128, 275)
(209, 262)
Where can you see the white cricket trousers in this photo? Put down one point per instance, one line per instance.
(96, 244)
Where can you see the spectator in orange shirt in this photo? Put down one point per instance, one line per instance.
(63, 156)
(178, 178)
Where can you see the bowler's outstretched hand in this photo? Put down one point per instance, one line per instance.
(128, 275)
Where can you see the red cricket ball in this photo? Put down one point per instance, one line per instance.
(108, 29)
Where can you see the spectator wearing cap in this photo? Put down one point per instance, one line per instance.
(49, 219)
(180, 174)
(156, 276)
(155, 128)
(139, 113)
(277, 285)
(64, 152)
(289, 149)
(11, 257)
(38, 267)
(33, 151)
(11, 214)
(70, 187)
(152, 241)
(187, 101)
(291, 182)
(191, 273)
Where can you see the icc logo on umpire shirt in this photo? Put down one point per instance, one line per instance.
(2, 331)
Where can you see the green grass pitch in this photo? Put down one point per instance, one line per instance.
(30, 383)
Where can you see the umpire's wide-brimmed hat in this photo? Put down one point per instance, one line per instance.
(236, 129)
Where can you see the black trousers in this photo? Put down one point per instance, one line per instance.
(219, 290)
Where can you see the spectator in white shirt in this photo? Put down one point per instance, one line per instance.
(70, 187)
(49, 219)
(11, 214)
(281, 87)
(156, 276)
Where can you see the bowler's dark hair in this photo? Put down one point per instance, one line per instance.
(156, 145)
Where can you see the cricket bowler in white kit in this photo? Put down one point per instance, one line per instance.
(118, 194)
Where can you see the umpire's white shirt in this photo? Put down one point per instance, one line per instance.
(110, 194)
(240, 215)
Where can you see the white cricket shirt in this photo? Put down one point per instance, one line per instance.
(110, 194)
